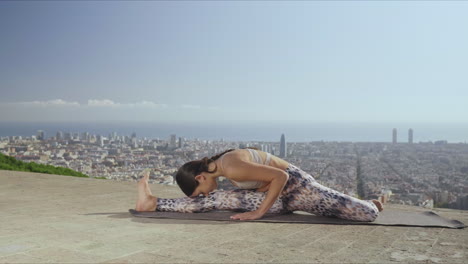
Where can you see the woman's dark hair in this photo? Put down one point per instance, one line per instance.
(185, 176)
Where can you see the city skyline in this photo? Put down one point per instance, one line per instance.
(297, 132)
(233, 61)
(424, 174)
(175, 142)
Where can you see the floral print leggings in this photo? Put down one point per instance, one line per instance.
(301, 193)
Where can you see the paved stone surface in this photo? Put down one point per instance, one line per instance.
(52, 218)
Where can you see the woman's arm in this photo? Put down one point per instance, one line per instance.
(274, 191)
(240, 170)
(264, 188)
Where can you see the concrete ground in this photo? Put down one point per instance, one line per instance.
(51, 218)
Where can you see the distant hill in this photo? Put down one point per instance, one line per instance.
(10, 163)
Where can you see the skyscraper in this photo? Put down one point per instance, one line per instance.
(410, 136)
(59, 135)
(172, 142)
(100, 141)
(40, 135)
(134, 142)
(394, 136)
(283, 146)
(85, 136)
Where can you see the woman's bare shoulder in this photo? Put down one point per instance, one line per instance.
(237, 154)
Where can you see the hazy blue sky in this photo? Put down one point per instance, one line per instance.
(190, 60)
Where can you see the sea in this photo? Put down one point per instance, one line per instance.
(245, 131)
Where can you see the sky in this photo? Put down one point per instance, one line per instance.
(338, 61)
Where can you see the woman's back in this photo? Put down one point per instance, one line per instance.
(248, 155)
(256, 156)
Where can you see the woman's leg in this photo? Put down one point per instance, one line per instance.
(146, 201)
(305, 194)
(233, 200)
(236, 200)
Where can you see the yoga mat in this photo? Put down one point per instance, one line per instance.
(387, 217)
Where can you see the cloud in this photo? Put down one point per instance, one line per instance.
(148, 104)
(56, 102)
(101, 103)
(104, 102)
(89, 103)
(110, 103)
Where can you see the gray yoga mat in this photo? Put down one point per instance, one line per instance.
(387, 217)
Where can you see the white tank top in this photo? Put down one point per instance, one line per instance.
(253, 184)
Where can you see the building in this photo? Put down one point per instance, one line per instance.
(40, 135)
(100, 140)
(410, 136)
(172, 142)
(59, 135)
(266, 148)
(283, 149)
(394, 139)
(85, 136)
(134, 142)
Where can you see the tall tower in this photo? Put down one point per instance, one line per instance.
(394, 136)
(283, 147)
(59, 135)
(85, 136)
(40, 135)
(172, 142)
(410, 136)
(100, 141)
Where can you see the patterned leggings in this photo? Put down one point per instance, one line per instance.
(301, 193)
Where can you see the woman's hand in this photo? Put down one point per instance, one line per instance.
(248, 216)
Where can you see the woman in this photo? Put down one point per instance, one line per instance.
(268, 184)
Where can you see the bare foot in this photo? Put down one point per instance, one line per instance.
(146, 174)
(378, 204)
(146, 200)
